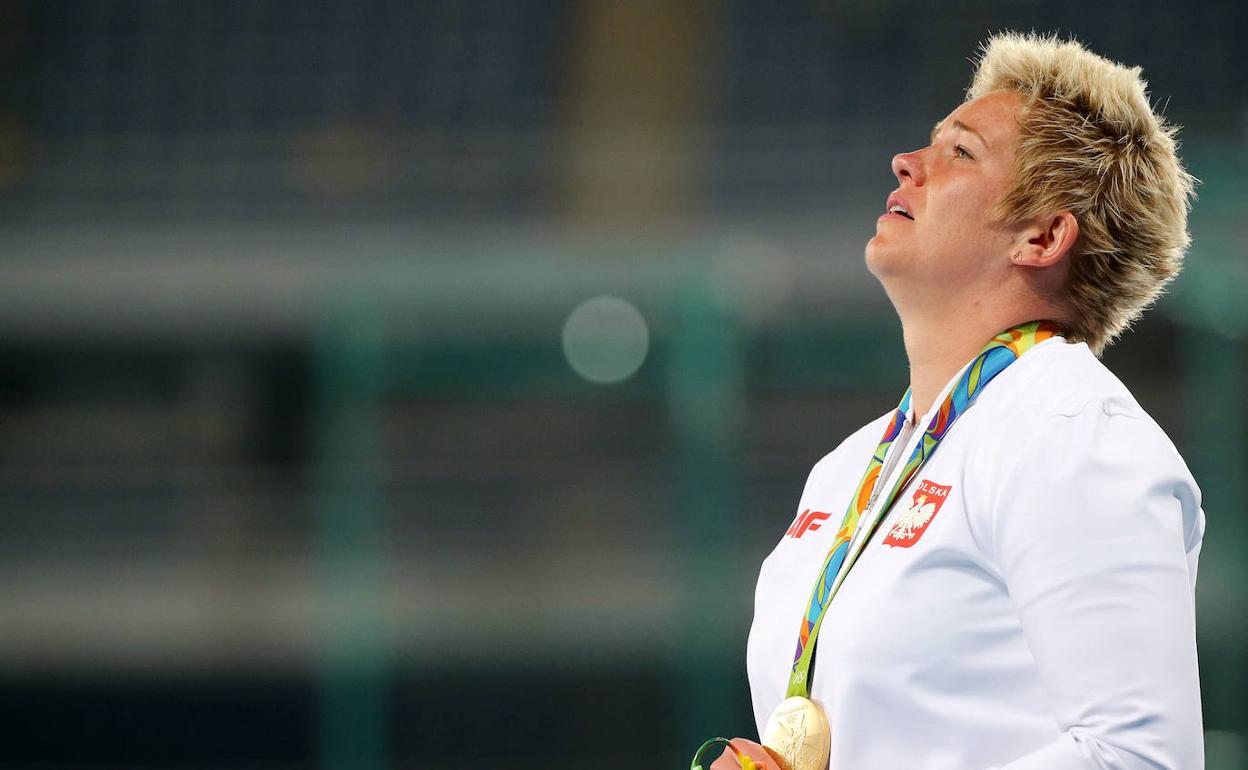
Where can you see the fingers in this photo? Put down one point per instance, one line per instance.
(726, 761)
(764, 758)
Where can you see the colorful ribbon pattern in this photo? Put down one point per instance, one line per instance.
(999, 353)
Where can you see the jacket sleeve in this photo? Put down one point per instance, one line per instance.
(1097, 528)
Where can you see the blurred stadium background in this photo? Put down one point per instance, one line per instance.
(306, 459)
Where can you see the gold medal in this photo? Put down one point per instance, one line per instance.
(798, 731)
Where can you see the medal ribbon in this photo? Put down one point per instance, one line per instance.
(999, 353)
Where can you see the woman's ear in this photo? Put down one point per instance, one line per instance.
(1047, 242)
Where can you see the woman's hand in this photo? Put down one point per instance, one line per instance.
(763, 757)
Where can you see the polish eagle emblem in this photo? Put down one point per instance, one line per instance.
(912, 522)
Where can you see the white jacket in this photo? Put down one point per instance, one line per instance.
(1028, 603)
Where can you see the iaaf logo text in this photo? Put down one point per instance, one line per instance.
(806, 521)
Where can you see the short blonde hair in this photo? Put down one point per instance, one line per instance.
(1090, 143)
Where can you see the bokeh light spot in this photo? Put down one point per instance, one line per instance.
(605, 339)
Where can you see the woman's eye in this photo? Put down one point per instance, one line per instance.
(960, 151)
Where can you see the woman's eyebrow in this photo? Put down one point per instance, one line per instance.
(959, 124)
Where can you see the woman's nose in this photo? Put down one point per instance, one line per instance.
(908, 165)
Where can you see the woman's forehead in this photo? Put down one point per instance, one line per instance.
(992, 116)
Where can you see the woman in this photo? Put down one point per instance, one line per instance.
(1012, 582)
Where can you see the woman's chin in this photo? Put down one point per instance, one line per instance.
(882, 257)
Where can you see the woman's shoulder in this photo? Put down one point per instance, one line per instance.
(1056, 379)
(1065, 407)
(1070, 411)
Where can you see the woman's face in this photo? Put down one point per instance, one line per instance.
(949, 248)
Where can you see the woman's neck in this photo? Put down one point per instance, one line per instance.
(937, 351)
